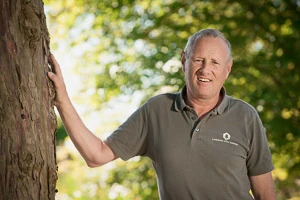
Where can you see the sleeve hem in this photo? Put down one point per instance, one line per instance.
(117, 150)
(260, 172)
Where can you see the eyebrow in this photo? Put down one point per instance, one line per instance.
(199, 57)
(213, 59)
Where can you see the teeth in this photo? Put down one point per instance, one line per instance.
(203, 79)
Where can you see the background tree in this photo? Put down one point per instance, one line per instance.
(27, 118)
(129, 46)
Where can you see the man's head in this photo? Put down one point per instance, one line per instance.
(206, 63)
(188, 50)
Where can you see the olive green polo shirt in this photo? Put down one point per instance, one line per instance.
(197, 159)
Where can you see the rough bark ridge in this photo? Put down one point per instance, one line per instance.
(28, 167)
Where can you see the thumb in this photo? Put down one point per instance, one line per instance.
(58, 82)
(53, 78)
(51, 75)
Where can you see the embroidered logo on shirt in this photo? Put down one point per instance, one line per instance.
(226, 136)
(226, 139)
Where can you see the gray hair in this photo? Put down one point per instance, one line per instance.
(205, 33)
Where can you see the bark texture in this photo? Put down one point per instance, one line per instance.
(28, 167)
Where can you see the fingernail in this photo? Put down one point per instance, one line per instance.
(50, 74)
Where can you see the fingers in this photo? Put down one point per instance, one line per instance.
(55, 66)
(54, 78)
(56, 75)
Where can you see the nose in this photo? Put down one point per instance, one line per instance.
(205, 67)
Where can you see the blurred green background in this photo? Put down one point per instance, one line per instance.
(116, 54)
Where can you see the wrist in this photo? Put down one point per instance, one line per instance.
(64, 103)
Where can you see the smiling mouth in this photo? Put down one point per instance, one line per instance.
(203, 79)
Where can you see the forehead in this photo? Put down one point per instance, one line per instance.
(213, 46)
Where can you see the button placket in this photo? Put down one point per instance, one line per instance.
(191, 115)
(196, 132)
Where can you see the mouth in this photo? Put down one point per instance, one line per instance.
(203, 79)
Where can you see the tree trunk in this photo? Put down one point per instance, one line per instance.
(27, 119)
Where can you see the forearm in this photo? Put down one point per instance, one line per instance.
(88, 145)
(263, 187)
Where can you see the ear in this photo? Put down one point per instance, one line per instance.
(183, 59)
(228, 67)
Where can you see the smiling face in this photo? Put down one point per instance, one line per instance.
(206, 68)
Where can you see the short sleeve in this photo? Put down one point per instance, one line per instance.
(129, 139)
(259, 159)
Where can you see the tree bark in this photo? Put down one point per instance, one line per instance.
(28, 167)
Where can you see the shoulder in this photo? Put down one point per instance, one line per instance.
(241, 106)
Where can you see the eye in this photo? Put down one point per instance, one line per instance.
(215, 62)
(198, 61)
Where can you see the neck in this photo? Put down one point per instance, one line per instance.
(203, 107)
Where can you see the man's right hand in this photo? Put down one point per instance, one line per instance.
(57, 78)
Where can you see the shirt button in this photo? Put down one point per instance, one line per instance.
(197, 129)
(193, 117)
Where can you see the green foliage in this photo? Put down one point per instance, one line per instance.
(136, 176)
(135, 45)
(61, 133)
(75, 180)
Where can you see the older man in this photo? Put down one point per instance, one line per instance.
(203, 143)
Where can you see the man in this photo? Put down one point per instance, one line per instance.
(203, 143)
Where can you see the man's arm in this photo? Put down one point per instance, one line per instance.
(262, 187)
(93, 150)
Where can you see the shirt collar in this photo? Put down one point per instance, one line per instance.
(179, 101)
(180, 105)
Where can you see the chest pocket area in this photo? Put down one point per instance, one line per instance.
(221, 152)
